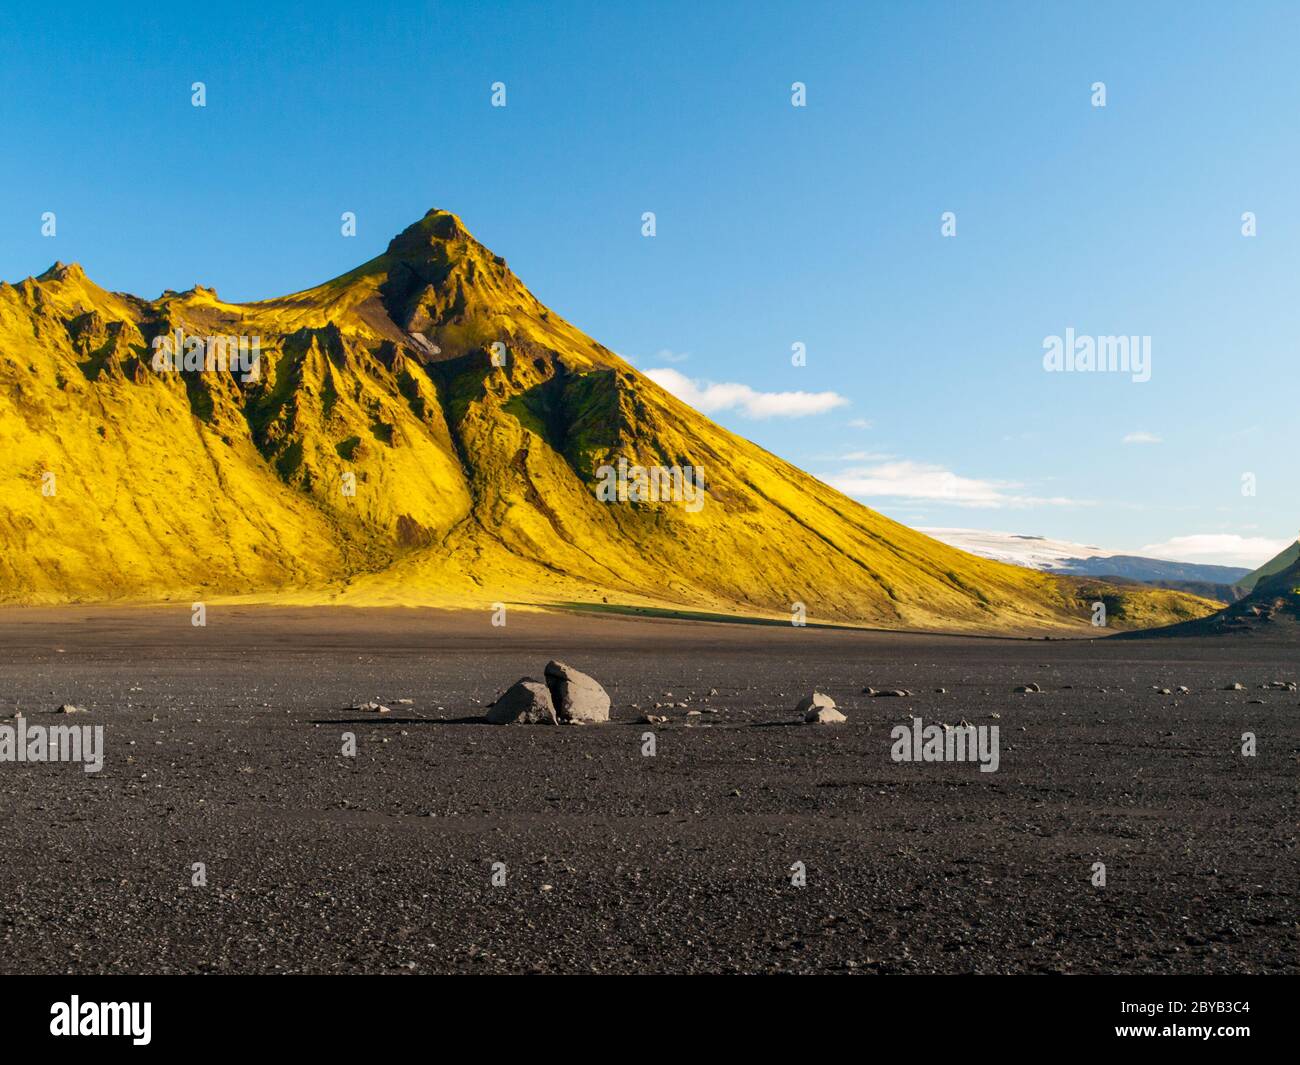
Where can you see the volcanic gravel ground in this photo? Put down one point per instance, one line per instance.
(224, 746)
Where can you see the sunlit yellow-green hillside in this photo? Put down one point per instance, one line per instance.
(382, 456)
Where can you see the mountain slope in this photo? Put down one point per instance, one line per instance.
(1272, 609)
(381, 457)
(1274, 565)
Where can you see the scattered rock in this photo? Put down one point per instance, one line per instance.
(1029, 689)
(528, 702)
(1235, 686)
(578, 698)
(371, 707)
(886, 693)
(69, 708)
(651, 719)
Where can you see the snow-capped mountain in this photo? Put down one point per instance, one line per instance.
(1089, 560)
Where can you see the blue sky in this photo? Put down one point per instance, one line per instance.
(775, 224)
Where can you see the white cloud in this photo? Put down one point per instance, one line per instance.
(711, 397)
(859, 423)
(1142, 438)
(903, 479)
(1221, 549)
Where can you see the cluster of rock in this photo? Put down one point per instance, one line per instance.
(1273, 685)
(568, 697)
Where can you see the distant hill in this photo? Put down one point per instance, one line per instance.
(1273, 565)
(1155, 571)
(1272, 609)
(424, 431)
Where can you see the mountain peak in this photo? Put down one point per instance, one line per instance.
(437, 275)
(436, 227)
(60, 271)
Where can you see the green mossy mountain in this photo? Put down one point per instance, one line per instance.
(424, 431)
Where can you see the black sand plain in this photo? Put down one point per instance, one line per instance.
(224, 747)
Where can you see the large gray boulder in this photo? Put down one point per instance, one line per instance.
(819, 709)
(578, 698)
(815, 701)
(528, 702)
